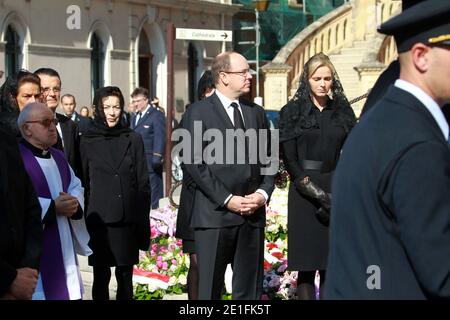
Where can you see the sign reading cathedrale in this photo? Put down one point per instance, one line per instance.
(204, 34)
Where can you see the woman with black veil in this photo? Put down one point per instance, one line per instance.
(313, 127)
(117, 194)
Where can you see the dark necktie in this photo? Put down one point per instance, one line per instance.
(237, 117)
(138, 117)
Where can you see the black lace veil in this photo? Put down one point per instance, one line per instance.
(297, 115)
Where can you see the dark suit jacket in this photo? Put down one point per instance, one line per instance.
(215, 182)
(391, 206)
(117, 187)
(20, 215)
(152, 128)
(83, 123)
(71, 140)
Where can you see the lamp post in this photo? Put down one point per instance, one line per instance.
(260, 5)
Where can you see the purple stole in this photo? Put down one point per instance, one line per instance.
(53, 272)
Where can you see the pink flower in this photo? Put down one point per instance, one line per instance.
(153, 232)
(162, 229)
(174, 262)
(164, 265)
(282, 268)
(159, 264)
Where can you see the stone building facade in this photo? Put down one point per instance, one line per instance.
(94, 43)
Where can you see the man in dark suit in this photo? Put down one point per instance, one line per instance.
(390, 219)
(20, 224)
(151, 125)
(228, 207)
(68, 140)
(69, 105)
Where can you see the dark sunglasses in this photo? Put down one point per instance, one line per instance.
(45, 122)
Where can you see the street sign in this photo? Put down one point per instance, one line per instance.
(204, 34)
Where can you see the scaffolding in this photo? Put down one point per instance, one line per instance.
(280, 23)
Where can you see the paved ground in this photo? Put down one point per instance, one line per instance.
(87, 276)
(86, 270)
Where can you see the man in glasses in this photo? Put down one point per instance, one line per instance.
(151, 125)
(228, 210)
(67, 130)
(61, 197)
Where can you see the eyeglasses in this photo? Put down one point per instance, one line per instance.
(138, 100)
(45, 122)
(105, 107)
(47, 90)
(242, 73)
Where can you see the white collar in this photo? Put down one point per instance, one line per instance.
(428, 102)
(226, 102)
(145, 110)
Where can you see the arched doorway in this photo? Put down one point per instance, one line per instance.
(97, 63)
(145, 64)
(193, 63)
(12, 51)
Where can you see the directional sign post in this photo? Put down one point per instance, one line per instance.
(204, 34)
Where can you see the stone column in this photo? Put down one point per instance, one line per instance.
(368, 75)
(276, 85)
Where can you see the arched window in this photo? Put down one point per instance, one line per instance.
(192, 72)
(12, 51)
(145, 64)
(97, 63)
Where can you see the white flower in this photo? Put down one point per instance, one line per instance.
(182, 279)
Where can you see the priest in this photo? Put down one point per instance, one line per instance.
(61, 198)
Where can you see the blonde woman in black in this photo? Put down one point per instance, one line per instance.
(313, 127)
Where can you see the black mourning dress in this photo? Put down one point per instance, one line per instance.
(320, 141)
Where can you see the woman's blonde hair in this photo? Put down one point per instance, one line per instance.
(317, 61)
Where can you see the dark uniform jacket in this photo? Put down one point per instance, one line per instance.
(390, 219)
(152, 128)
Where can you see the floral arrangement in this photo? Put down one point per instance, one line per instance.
(163, 269)
(279, 284)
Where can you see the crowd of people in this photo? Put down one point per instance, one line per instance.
(72, 184)
(368, 205)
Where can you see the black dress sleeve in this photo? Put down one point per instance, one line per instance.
(291, 161)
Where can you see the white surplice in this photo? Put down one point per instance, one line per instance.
(73, 240)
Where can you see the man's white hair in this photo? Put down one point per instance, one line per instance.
(27, 112)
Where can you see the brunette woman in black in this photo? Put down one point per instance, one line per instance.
(117, 195)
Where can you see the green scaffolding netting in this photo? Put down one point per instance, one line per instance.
(280, 23)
